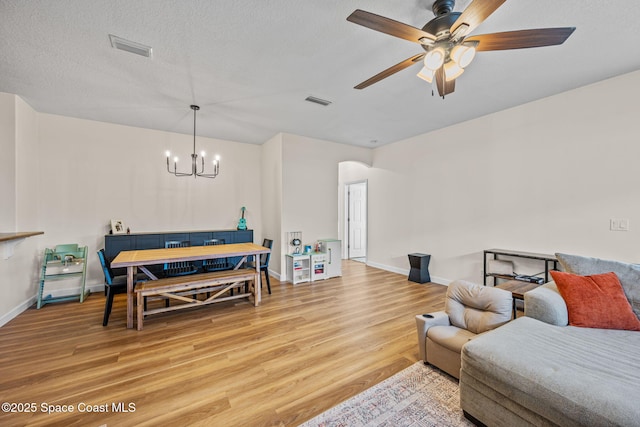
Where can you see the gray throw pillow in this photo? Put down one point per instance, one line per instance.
(628, 274)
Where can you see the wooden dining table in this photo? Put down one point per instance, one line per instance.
(140, 259)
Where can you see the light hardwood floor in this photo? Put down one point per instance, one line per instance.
(303, 350)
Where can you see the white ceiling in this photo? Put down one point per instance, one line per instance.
(250, 64)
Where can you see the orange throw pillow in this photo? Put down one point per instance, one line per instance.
(596, 301)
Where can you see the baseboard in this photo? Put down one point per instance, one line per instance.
(440, 281)
(16, 311)
(274, 274)
(405, 272)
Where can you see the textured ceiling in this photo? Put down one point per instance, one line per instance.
(250, 64)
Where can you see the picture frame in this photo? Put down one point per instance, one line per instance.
(118, 226)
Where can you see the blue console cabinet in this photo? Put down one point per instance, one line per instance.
(115, 243)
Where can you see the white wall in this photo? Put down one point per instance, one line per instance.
(27, 167)
(272, 200)
(70, 177)
(310, 185)
(7, 162)
(92, 172)
(18, 144)
(77, 175)
(542, 177)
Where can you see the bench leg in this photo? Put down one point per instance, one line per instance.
(140, 316)
(254, 290)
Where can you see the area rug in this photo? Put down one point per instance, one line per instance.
(417, 396)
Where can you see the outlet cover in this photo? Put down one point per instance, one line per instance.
(619, 224)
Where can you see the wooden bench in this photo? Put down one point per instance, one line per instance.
(178, 288)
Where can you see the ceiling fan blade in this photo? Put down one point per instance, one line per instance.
(388, 26)
(475, 14)
(522, 38)
(390, 71)
(444, 87)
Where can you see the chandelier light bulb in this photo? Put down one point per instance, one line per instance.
(202, 153)
(167, 153)
(175, 159)
(434, 59)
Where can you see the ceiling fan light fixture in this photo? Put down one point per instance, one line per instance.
(443, 38)
(426, 74)
(452, 71)
(434, 59)
(463, 55)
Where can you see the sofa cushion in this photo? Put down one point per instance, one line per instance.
(546, 304)
(628, 274)
(596, 301)
(477, 308)
(450, 337)
(568, 375)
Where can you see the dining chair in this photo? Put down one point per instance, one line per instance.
(178, 268)
(264, 262)
(216, 264)
(113, 285)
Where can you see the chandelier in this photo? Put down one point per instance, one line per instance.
(194, 158)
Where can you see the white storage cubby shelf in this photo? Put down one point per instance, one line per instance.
(298, 268)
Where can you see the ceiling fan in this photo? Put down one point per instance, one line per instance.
(448, 48)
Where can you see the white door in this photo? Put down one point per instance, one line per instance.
(357, 220)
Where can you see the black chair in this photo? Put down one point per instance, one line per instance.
(178, 268)
(113, 285)
(216, 264)
(264, 262)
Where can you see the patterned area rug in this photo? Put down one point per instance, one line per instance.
(417, 396)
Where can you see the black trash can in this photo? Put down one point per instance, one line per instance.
(419, 272)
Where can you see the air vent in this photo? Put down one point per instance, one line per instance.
(315, 100)
(129, 46)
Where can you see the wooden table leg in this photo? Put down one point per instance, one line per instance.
(131, 273)
(257, 296)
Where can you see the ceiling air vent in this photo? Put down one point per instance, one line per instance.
(129, 46)
(315, 100)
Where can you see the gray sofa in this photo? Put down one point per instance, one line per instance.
(537, 370)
